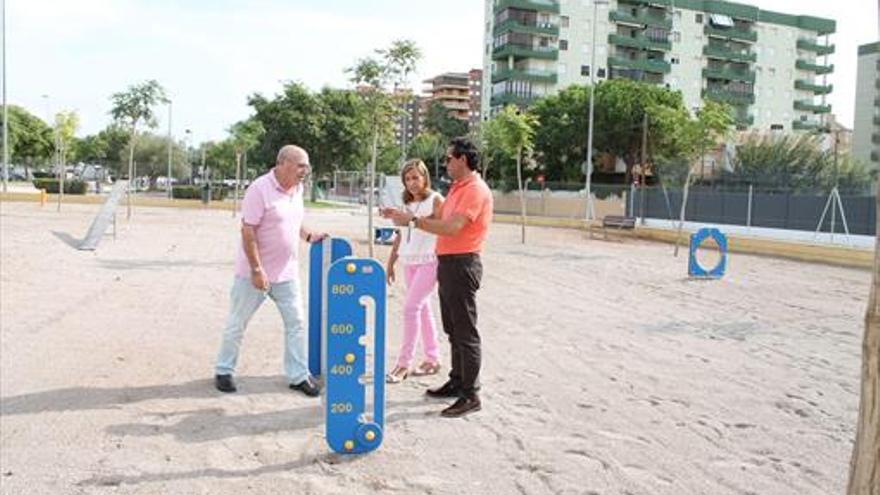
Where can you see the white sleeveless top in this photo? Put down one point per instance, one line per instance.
(420, 247)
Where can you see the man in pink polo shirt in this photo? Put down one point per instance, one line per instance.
(461, 230)
(272, 214)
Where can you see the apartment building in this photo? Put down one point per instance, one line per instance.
(866, 128)
(772, 67)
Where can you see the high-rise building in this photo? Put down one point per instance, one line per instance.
(409, 122)
(866, 131)
(475, 90)
(772, 67)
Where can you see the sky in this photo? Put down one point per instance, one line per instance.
(210, 55)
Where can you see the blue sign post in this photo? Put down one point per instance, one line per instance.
(355, 295)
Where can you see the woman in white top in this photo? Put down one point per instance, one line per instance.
(415, 248)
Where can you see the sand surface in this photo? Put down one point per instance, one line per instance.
(606, 371)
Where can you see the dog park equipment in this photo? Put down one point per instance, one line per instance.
(697, 239)
(384, 235)
(104, 218)
(351, 322)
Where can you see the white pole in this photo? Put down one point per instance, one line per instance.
(168, 178)
(5, 107)
(589, 167)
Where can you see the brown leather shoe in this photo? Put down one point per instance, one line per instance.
(447, 390)
(461, 407)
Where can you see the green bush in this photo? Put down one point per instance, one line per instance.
(70, 186)
(218, 193)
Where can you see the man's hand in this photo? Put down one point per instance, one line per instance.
(317, 237)
(389, 271)
(258, 278)
(398, 217)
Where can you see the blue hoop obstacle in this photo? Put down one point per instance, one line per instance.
(697, 239)
(384, 235)
(352, 295)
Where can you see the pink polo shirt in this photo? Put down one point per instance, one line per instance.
(277, 216)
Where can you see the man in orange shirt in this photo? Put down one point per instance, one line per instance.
(461, 229)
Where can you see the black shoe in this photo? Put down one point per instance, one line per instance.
(464, 405)
(224, 383)
(445, 391)
(308, 387)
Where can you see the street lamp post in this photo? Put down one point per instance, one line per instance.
(5, 107)
(589, 165)
(168, 178)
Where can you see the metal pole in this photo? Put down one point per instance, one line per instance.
(5, 108)
(642, 168)
(168, 179)
(749, 211)
(589, 168)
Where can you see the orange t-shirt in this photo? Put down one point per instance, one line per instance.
(471, 198)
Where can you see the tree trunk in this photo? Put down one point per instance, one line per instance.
(237, 182)
(522, 196)
(372, 176)
(130, 173)
(864, 471)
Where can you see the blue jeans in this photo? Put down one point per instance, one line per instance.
(245, 300)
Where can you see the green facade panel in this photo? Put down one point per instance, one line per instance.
(533, 75)
(819, 89)
(640, 42)
(657, 66)
(536, 5)
(724, 53)
(515, 26)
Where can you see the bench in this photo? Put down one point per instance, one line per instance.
(618, 222)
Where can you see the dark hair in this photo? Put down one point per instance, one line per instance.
(464, 146)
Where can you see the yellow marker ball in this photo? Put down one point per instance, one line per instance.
(349, 445)
(351, 268)
(349, 358)
(371, 435)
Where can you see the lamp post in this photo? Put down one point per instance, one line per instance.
(589, 165)
(5, 106)
(168, 178)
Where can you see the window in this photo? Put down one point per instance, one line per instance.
(585, 70)
(674, 60)
(698, 18)
(563, 45)
(600, 73)
(676, 36)
(563, 21)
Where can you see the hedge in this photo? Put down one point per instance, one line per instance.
(73, 186)
(218, 193)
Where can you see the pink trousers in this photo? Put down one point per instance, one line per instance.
(418, 318)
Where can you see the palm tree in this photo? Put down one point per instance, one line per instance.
(245, 135)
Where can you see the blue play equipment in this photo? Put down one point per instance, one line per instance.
(697, 239)
(355, 288)
(346, 321)
(384, 235)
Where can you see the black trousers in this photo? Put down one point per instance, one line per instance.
(458, 277)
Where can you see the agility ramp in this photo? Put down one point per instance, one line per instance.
(106, 216)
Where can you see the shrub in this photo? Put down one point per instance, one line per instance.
(70, 186)
(218, 193)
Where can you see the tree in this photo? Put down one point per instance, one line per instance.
(345, 132)
(516, 131)
(293, 117)
(373, 76)
(30, 139)
(151, 157)
(429, 148)
(682, 139)
(133, 107)
(245, 135)
(66, 124)
(494, 155)
(438, 120)
(864, 473)
(561, 141)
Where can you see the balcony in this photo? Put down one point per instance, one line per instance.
(727, 96)
(813, 46)
(876, 120)
(664, 3)
(808, 106)
(806, 125)
(725, 53)
(640, 19)
(521, 26)
(729, 74)
(537, 5)
(875, 138)
(818, 69)
(740, 34)
(524, 51)
(644, 64)
(743, 121)
(875, 157)
(510, 99)
(817, 89)
(641, 42)
(534, 75)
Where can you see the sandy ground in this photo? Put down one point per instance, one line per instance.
(606, 371)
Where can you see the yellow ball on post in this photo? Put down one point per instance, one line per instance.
(349, 358)
(370, 435)
(349, 445)
(351, 268)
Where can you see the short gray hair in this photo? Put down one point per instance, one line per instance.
(291, 152)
